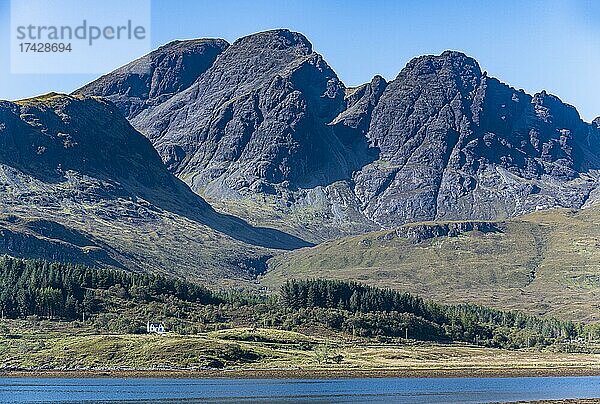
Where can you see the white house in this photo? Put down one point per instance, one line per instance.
(156, 328)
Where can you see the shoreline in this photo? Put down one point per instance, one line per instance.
(308, 373)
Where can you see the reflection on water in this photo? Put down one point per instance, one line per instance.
(419, 390)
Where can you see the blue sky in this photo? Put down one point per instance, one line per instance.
(534, 45)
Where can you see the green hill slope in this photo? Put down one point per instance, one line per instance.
(543, 263)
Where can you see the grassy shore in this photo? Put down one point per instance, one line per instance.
(304, 373)
(267, 353)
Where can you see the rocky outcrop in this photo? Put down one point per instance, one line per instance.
(415, 126)
(257, 118)
(420, 232)
(456, 144)
(358, 109)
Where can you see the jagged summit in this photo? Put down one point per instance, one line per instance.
(258, 116)
(276, 39)
(360, 102)
(449, 61)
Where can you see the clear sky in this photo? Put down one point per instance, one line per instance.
(534, 45)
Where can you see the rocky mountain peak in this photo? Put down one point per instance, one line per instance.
(157, 76)
(277, 39)
(257, 117)
(427, 87)
(375, 87)
(550, 108)
(255, 60)
(461, 145)
(448, 65)
(353, 122)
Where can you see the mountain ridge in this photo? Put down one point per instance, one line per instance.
(269, 132)
(155, 77)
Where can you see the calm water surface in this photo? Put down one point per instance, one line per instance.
(392, 390)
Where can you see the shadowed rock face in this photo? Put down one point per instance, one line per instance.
(49, 136)
(360, 102)
(156, 77)
(352, 124)
(442, 141)
(456, 144)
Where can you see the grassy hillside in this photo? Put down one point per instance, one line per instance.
(544, 263)
(138, 237)
(78, 184)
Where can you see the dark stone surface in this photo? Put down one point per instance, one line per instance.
(418, 233)
(460, 145)
(258, 116)
(49, 136)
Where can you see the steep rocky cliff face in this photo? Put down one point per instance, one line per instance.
(256, 118)
(80, 184)
(456, 144)
(268, 132)
(415, 126)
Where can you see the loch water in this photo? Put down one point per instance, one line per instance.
(384, 390)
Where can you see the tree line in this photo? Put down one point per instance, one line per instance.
(67, 291)
(460, 322)
(102, 297)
